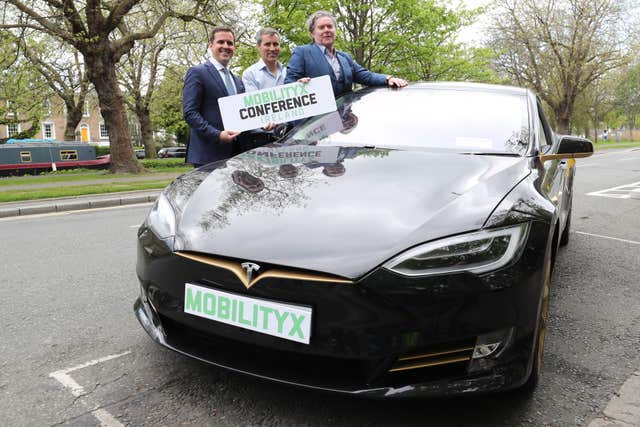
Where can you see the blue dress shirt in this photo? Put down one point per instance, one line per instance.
(258, 76)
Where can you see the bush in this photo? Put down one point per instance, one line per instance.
(163, 163)
(101, 151)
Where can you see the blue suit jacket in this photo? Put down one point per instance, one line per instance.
(309, 61)
(202, 88)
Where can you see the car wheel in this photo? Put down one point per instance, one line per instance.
(564, 239)
(543, 314)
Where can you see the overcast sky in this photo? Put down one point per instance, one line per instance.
(474, 34)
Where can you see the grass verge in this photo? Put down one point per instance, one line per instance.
(607, 145)
(80, 190)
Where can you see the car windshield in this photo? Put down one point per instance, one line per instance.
(473, 121)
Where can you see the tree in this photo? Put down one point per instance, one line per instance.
(628, 97)
(98, 29)
(138, 73)
(558, 47)
(166, 107)
(20, 88)
(63, 70)
(414, 39)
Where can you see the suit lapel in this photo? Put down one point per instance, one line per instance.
(320, 60)
(216, 76)
(344, 64)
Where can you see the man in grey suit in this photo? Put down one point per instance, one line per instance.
(203, 85)
(320, 58)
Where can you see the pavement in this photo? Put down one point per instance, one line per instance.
(42, 206)
(33, 207)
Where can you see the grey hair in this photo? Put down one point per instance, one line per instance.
(311, 21)
(266, 31)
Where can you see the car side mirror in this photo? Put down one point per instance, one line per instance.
(570, 147)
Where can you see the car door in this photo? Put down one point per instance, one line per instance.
(557, 181)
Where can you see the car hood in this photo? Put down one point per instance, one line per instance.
(339, 210)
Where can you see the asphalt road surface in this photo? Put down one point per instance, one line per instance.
(73, 354)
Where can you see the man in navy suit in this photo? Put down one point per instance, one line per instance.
(203, 85)
(320, 58)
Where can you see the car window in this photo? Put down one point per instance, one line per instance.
(449, 119)
(546, 137)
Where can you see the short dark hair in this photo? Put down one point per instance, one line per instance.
(266, 31)
(220, 29)
(311, 21)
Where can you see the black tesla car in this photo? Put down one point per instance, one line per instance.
(399, 246)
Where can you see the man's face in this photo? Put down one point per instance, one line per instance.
(324, 32)
(269, 48)
(222, 47)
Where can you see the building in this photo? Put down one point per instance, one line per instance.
(90, 129)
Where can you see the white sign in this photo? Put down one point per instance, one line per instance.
(280, 104)
(288, 321)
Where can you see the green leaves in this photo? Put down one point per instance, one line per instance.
(413, 39)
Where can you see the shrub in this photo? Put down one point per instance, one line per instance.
(163, 163)
(101, 151)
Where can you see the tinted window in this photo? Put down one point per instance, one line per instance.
(457, 120)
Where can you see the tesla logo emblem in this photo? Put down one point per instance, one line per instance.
(250, 267)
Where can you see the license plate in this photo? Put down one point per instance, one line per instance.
(287, 321)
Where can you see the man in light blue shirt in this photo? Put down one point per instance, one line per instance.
(268, 71)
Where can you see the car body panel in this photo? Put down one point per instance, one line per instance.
(371, 210)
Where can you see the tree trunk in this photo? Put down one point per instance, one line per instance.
(563, 123)
(147, 133)
(74, 115)
(101, 71)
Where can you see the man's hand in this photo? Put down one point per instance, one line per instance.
(228, 135)
(269, 126)
(395, 81)
(304, 80)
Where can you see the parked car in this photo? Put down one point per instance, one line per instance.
(140, 154)
(172, 152)
(400, 246)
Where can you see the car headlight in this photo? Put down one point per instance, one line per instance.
(162, 218)
(476, 252)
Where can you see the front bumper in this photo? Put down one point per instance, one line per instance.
(382, 336)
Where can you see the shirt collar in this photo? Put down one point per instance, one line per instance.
(262, 65)
(323, 48)
(216, 64)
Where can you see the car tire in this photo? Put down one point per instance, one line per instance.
(564, 238)
(543, 315)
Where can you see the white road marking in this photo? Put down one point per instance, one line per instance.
(624, 407)
(106, 419)
(76, 389)
(619, 192)
(633, 242)
(94, 362)
(63, 377)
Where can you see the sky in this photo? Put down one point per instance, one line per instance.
(473, 35)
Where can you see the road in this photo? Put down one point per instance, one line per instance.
(74, 355)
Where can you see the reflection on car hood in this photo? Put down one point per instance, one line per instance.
(340, 210)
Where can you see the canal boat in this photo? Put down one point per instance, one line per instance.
(21, 157)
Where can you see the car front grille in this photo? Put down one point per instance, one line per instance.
(434, 357)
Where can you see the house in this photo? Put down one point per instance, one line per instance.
(90, 129)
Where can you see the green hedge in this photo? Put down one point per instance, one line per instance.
(163, 163)
(101, 151)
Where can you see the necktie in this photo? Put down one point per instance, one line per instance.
(231, 89)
